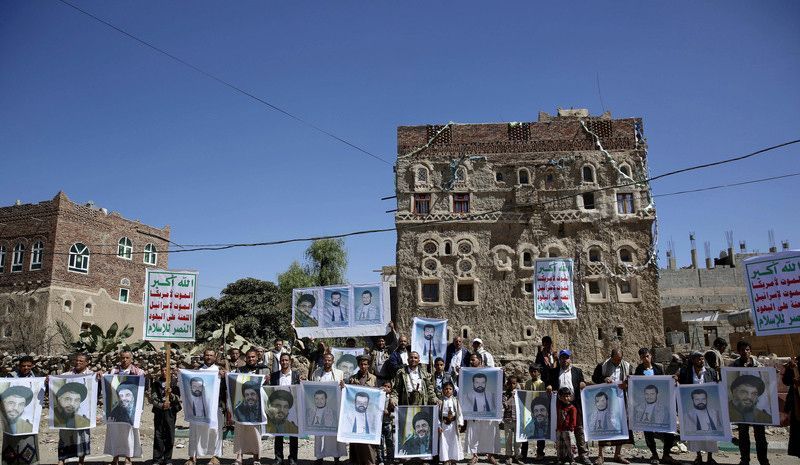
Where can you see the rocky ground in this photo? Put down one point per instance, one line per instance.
(728, 454)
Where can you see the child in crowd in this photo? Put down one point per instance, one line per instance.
(510, 419)
(450, 450)
(386, 450)
(534, 384)
(567, 416)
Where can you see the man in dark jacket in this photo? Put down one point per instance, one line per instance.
(165, 410)
(285, 377)
(571, 377)
(547, 359)
(399, 357)
(648, 368)
(456, 348)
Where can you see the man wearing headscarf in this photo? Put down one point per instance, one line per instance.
(20, 449)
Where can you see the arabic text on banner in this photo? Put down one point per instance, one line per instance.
(341, 310)
(170, 305)
(773, 285)
(553, 293)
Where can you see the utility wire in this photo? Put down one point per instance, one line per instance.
(721, 186)
(228, 84)
(210, 247)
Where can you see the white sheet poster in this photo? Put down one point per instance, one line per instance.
(320, 408)
(416, 431)
(341, 310)
(21, 402)
(651, 404)
(73, 401)
(361, 415)
(703, 412)
(200, 396)
(553, 293)
(773, 285)
(536, 415)
(429, 338)
(170, 305)
(752, 395)
(480, 392)
(123, 398)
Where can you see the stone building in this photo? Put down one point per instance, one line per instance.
(79, 264)
(478, 203)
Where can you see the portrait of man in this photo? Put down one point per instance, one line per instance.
(347, 363)
(701, 417)
(305, 312)
(66, 411)
(429, 348)
(478, 398)
(198, 408)
(248, 409)
(745, 392)
(361, 411)
(124, 410)
(15, 399)
(279, 404)
(603, 418)
(320, 414)
(335, 309)
(368, 308)
(420, 441)
(650, 411)
(538, 426)
(428, 338)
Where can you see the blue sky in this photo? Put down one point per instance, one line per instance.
(89, 111)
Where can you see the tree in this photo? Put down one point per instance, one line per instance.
(327, 261)
(252, 306)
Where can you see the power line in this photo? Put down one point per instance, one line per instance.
(228, 84)
(212, 247)
(721, 186)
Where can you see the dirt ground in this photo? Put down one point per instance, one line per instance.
(48, 444)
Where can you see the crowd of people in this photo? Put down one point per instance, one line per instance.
(389, 364)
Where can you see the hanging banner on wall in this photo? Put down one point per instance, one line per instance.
(341, 310)
(773, 285)
(170, 305)
(553, 293)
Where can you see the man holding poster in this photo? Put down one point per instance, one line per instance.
(122, 435)
(66, 400)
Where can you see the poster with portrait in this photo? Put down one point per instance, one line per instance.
(651, 404)
(283, 410)
(320, 407)
(341, 310)
(361, 414)
(200, 396)
(416, 430)
(752, 395)
(21, 400)
(73, 401)
(306, 307)
(246, 400)
(703, 412)
(604, 417)
(536, 415)
(344, 358)
(123, 399)
(480, 392)
(429, 338)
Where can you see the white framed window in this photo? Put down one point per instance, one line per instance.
(37, 251)
(150, 255)
(125, 249)
(67, 306)
(596, 289)
(625, 169)
(429, 292)
(625, 203)
(523, 176)
(587, 174)
(17, 258)
(466, 292)
(2, 259)
(526, 260)
(527, 286)
(123, 294)
(626, 255)
(78, 258)
(587, 201)
(87, 309)
(421, 175)
(628, 290)
(595, 254)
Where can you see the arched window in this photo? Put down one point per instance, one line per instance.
(588, 174)
(498, 176)
(527, 259)
(7, 331)
(79, 258)
(553, 252)
(549, 180)
(16, 258)
(150, 255)
(523, 176)
(626, 170)
(421, 175)
(626, 255)
(125, 249)
(595, 254)
(2, 258)
(36, 255)
(461, 175)
(68, 306)
(87, 309)
(448, 248)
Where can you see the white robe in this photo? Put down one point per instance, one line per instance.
(483, 437)
(205, 441)
(122, 440)
(327, 446)
(449, 444)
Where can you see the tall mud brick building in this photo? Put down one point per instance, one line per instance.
(478, 203)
